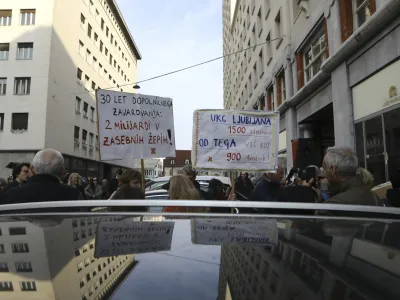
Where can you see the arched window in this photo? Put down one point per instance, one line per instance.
(187, 162)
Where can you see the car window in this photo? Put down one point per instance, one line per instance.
(155, 185)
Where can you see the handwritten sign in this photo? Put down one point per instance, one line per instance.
(130, 237)
(134, 125)
(234, 231)
(235, 140)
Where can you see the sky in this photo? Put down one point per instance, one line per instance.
(171, 35)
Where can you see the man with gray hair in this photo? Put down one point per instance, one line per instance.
(45, 185)
(345, 186)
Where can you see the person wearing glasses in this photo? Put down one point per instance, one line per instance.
(20, 176)
(93, 190)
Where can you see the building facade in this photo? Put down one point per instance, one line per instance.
(326, 66)
(56, 261)
(53, 56)
(172, 165)
(153, 167)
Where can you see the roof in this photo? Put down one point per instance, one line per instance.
(148, 163)
(179, 159)
(113, 6)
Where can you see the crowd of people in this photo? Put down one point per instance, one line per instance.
(338, 180)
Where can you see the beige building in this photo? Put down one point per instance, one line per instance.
(42, 260)
(326, 66)
(53, 55)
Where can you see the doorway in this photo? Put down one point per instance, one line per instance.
(377, 139)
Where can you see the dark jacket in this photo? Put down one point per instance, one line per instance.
(41, 188)
(354, 191)
(265, 191)
(10, 186)
(393, 197)
(244, 187)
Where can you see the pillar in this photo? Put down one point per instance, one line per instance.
(342, 107)
(291, 134)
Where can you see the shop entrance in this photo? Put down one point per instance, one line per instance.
(377, 139)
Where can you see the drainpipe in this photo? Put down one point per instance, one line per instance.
(382, 17)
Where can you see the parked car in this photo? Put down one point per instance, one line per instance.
(157, 183)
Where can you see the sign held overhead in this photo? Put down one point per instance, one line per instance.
(235, 140)
(134, 125)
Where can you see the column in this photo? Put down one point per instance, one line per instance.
(291, 134)
(342, 107)
(332, 15)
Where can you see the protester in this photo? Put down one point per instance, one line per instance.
(130, 177)
(182, 188)
(20, 176)
(3, 184)
(114, 183)
(126, 192)
(366, 177)
(345, 185)
(215, 191)
(192, 174)
(393, 194)
(268, 187)
(48, 165)
(243, 186)
(93, 190)
(75, 180)
(105, 188)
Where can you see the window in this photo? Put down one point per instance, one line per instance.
(112, 38)
(100, 69)
(25, 51)
(314, 56)
(2, 249)
(76, 135)
(79, 74)
(101, 47)
(97, 142)
(81, 49)
(254, 75)
(19, 121)
(270, 98)
(89, 31)
(17, 231)
(94, 64)
(261, 63)
(23, 266)
(83, 20)
(3, 266)
(3, 86)
(5, 17)
(28, 286)
(87, 80)
(85, 109)
(77, 110)
(28, 16)
(111, 59)
(102, 24)
(6, 286)
(115, 64)
(88, 55)
(92, 113)
(107, 31)
(91, 6)
(4, 51)
(280, 88)
(96, 38)
(278, 29)
(106, 51)
(22, 86)
(75, 235)
(20, 248)
(363, 11)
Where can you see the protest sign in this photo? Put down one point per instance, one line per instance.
(234, 231)
(134, 126)
(235, 140)
(130, 237)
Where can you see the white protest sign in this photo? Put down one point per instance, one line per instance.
(134, 126)
(235, 140)
(234, 231)
(130, 237)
